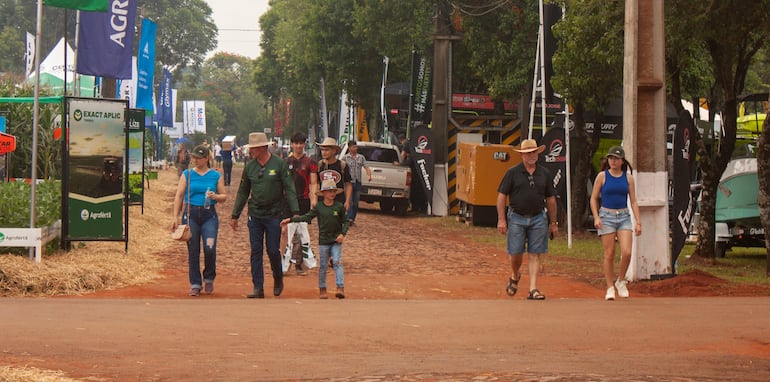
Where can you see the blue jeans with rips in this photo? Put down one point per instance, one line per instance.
(354, 198)
(204, 226)
(335, 251)
(265, 232)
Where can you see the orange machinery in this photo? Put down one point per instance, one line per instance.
(480, 168)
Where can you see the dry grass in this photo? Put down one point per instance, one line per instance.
(92, 266)
(31, 374)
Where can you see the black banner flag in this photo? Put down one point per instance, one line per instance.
(683, 204)
(554, 158)
(421, 148)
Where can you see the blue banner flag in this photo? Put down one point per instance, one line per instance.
(165, 114)
(106, 41)
(145, 65)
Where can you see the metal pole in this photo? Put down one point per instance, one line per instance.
(534, 91)
(35, 122)
(541, 54)
(569, 177)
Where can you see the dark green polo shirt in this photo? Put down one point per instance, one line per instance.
(266, 189)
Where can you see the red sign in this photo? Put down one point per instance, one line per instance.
(7, 143)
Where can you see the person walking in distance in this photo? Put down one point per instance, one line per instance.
(612, 218)
(304, 171)
(182, 160)
(227, 162)
(357, 165)
(332, 228)
(530, 217)
(200, 189)
(266, 185)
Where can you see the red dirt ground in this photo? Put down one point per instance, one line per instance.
(398, 258)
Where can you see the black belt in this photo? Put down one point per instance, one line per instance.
(526, 214)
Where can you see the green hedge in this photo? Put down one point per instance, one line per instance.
(15, 201)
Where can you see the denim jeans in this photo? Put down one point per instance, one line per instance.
(530, 231)
(335, 250)
(354, 198)
(227, 170)
(265, 232)
(204, 226)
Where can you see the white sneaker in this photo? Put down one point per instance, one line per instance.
(610, 295)
(622, 289)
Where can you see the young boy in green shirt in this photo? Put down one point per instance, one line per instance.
(332, 227)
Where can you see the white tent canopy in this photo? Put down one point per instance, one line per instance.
(52, 72)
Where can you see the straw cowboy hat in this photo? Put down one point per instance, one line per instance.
(257, 140)
(330, 142)
(329, 184)
(529, 145)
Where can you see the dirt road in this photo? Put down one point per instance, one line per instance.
(423, 303)
(645, 339)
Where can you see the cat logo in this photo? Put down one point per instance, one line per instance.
(502, 156)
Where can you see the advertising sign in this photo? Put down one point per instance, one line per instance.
(97, 147)
(421, 149)
(683, 204)
(554, 158)
(7, 143)
(135, 156)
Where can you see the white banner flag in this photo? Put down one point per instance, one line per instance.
(194, 116)
(30, 55)
(344, 125)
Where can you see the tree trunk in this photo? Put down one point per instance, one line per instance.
(763, 197)
(712, 167)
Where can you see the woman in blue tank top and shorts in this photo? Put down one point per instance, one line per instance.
(615, 186)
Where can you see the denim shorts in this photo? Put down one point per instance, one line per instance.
(614, 220)
(530, 232)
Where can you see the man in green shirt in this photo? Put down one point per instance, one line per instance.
(266, 185)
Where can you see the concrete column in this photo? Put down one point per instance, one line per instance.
(644, 134)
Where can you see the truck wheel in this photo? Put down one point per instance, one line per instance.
(386, 205)
(720, 248)
(401, 207)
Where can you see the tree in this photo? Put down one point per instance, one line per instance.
(226, 83)
(588, 72)
(186, 31)
(741, 33)
(500, 43)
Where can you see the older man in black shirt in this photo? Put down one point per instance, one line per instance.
(530, 191)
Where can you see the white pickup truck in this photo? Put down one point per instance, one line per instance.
(390, 178)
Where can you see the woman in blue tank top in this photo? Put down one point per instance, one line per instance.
(615, 185)
(197, 194)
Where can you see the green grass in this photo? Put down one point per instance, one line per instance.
(741, 265)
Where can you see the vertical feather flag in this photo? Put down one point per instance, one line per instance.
(362, 129)
(165, 100)
(83, 5)
(145, 65)
(106, 41)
